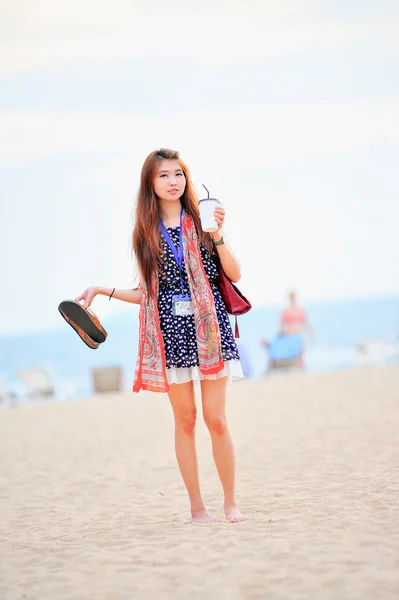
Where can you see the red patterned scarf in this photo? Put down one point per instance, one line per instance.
(151, 363)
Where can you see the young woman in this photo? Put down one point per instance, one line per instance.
(184, 333)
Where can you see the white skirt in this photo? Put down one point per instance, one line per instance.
(232, 370)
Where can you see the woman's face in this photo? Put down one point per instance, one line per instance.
(169, 180)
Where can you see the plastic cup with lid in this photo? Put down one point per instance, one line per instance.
(207, 207)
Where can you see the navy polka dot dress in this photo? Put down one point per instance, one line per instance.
(178, 332)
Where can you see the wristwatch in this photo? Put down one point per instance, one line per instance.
(219, 243)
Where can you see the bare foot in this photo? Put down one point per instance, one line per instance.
(233, 515)
(202, 517)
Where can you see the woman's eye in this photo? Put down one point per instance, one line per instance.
(163, 175)
(179, 174)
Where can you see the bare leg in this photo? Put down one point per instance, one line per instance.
(301, 362)
(214, 410)
(182, 399)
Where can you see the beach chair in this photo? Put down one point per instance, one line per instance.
(106, 379)
(42, 383)
(37, 383)
(373, 351)
(284, 352)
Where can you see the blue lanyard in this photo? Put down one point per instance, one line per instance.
(178, 255)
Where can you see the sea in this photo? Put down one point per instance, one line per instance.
(339, 327)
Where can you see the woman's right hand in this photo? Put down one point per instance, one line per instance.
(88, 296)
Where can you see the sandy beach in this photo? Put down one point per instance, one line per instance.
(93, 506)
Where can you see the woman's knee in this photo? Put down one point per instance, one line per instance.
(186, 420)
(216, 423)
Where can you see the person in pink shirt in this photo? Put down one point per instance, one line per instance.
(294, 318)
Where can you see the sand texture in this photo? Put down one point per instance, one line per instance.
(93, 506)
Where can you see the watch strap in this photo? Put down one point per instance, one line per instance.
(219, 243)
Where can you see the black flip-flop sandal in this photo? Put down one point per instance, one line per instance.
(84, 322)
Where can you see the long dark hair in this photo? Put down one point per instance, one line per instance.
(146, 237)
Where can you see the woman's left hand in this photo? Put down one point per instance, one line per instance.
(219, 214)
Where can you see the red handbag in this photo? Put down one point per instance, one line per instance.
(236, 303)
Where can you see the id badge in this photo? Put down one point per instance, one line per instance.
(182, 305)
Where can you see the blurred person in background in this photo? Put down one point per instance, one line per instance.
(287, 348)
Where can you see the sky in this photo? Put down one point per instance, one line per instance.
(287, 111)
